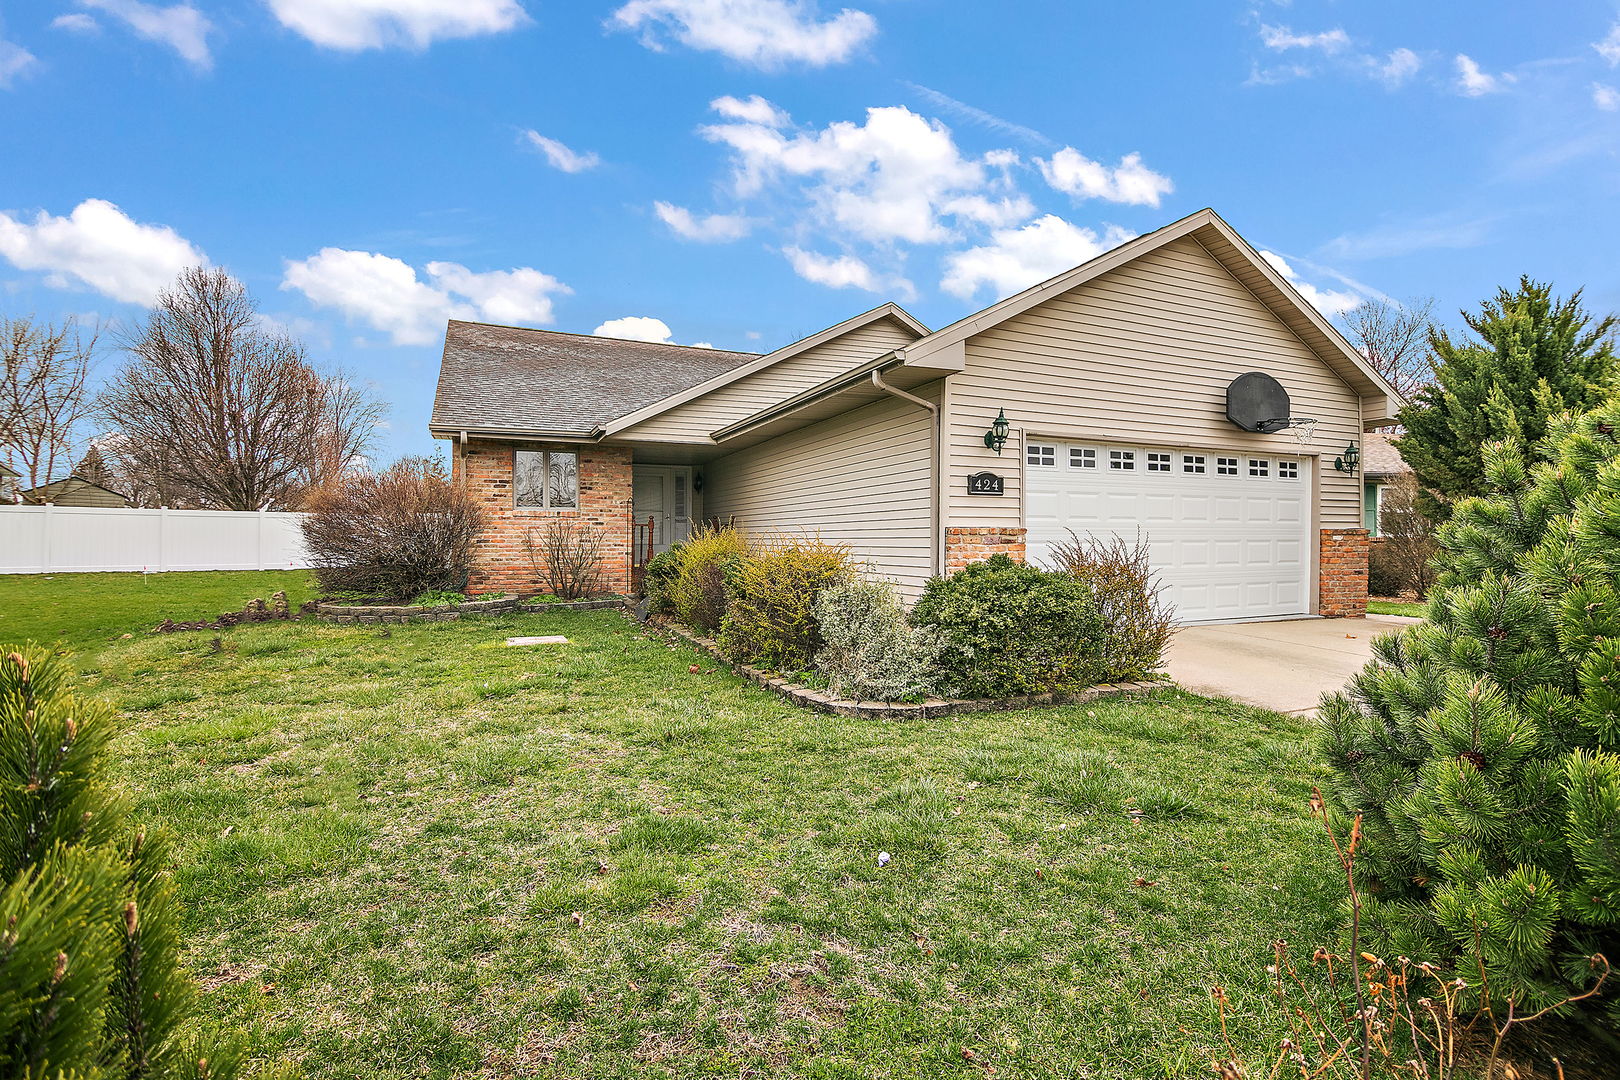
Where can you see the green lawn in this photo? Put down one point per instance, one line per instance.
(1390, 607)
(82, 612)
(383, 843)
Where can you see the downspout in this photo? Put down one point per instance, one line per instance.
(462, 453)
(933, 463)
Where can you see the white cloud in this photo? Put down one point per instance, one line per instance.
(560, 156)
(78, 23)
(1327, 301)
(99, 246)
(756, 110)
(1280, 37)
(840, 273)
(1018, 258)
(386, 293)
(889, 179)
(636, 328)
(1129, 182)
(353, 25)
(1605, 97)
(14, 61)
(712, 229)
(1402, 65)
(1473, 82)
(181, 27)
(1609, 47)
(762, 33)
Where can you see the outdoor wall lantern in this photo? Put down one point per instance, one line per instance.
(697, 482)
(996, 437)
(1347, 461)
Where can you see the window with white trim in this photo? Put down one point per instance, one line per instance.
(1158, 462)
(1226, 466)
(1288, 470)
(1192, 463)
(545, 480)
(1259, 467)
(1082, 457)
(1040, 455)
(1123, 460)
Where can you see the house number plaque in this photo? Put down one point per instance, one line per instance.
(986, 483)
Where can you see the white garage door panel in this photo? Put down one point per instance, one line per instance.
(1225, 546)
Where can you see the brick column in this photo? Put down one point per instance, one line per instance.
(501, 563)
(1344, 573)
(971, 545)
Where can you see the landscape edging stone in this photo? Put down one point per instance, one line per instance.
(807, 698)
(347, 614)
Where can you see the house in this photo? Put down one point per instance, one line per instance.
(1381, 465)
(1099, 401)
(9, 484)
(75, 490)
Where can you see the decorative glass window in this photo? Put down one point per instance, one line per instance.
(1158, 462)
(1041, 455)
(1192, 463)
(1288, 470)
(1259, 467)
(545, 480)
(1082, 457)
(1124, 460)
(1226, 466)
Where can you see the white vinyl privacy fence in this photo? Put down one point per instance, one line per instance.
(74, 539)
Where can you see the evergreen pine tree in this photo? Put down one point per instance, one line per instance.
(1480, 745)
(90, 977)
(1535, 357)
(93, 467)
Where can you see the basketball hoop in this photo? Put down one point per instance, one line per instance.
(1304, 427)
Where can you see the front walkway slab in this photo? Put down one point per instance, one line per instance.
(1285, 665)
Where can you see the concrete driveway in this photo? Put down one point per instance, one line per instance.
(1285, 665)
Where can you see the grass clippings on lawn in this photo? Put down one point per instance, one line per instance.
(432, 855)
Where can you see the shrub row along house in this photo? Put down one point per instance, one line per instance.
(1102, 401)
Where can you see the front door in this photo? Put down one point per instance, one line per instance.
(662, 500)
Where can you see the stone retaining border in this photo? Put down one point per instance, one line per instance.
(806, 698)
(346, 613)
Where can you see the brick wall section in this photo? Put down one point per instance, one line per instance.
(1344, 573)
(971, 545)
(501, 563)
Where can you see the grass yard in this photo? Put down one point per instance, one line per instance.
(83, 612)
(1396, 607)
(383, 844)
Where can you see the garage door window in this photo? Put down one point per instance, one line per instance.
(1042, 455)
(1122, 460)
(1226, 466)
(1288, 470)
(1082, 457)
(1192, 463)
(1259, 467)
(1158, 462)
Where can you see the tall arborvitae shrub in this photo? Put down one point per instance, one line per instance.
(90, 980)
(1480, 746)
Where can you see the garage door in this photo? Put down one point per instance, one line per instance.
(1227, 532)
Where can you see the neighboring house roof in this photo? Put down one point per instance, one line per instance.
(1380, 401)
(75, 491)
(515, 381)
(503, 380)
(1380, 460)
(7, 472)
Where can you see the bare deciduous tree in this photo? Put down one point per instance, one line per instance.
(216, 409)
(1394, 339)
(44, 373)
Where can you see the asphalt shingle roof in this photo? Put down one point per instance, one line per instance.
(1378, 458)
(508, 378)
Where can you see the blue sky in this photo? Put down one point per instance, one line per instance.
(749, 171)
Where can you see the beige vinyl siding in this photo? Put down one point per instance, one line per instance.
(863, 477)
(1140, 356)
(748, 395)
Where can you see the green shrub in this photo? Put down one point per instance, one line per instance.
(438, 598)
(1478, 746)
(771, 620)
(662, 570)
(90, 977)
(1383, 576)
(698, 594)
(871, 654)
(1007, 628)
